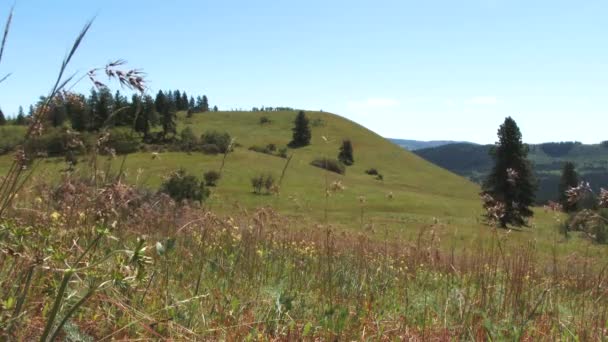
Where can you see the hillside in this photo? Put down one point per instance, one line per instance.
(413, 145)
(473, 161)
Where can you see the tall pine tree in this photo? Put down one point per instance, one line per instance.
(205, 104)
(2, 118)
(346, 153)
(511, 184)
(20, 117)
(301, 131)
(569, 179)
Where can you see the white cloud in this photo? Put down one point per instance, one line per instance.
(482, 100)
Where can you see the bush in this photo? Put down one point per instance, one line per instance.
(211, 178)
(221, 140)
(188, 141)
(380, 177)
(122, 141)
(265, 120)
(182, 186)
(372, 172)
(11, 137)
(210, 149)
(262, 181)
(329, 164)
(282, 152)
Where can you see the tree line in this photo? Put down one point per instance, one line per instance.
(101, 108)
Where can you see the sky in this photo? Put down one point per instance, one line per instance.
(425, 70)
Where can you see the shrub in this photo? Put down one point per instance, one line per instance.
(221, 140)
(282, 152)
(188, 141)
(210, 149)
(211, 178)
(262, 181)
(380, 177)
(10, 137)
(182, 186)
(329, 164)
(372, 172)
(122, 141)
(346, 153)
(265, 120)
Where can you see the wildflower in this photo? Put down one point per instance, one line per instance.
(55, 216)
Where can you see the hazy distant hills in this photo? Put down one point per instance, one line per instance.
(413, 145)
(474, 162)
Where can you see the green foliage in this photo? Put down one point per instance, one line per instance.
(558, 149)
(211, 177)
(511, 180)
(329, 164)
(188, 141)
(182, 186)
(569, 179)
(221, 140)
(10, 137)
(264, 181)
(346, 153)
(123, 141)
(264, 120)
(301, 131)
(372, 171)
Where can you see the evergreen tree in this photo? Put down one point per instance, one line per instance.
(160, 102)
(57, 113)
(147, 118)
(191, 103)
(346, 153)
(79, 113)
(20, 117)
(205, 104)
(30, 113)
(100, 104)
(122, 113)
(199, 104)
(215, 109)
(2, 118)
(177, 95)
(569, 179)
(511, 182)
(185, 101)
(301, 131)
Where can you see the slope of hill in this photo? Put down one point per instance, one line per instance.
(474, 162)
(413, 195)
(413, 145)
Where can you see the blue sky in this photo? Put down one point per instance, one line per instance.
(409, 69)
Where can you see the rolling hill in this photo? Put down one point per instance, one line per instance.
(414, 194)
(413, 145)
(474, 162)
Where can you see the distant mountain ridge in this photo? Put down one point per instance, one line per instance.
(474, 162)
(413, 145)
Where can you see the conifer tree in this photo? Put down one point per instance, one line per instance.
(191, 103)
(301, 131)
(510, 185)
(205, 104)
(20, 117)
(184, 101)
(346, 153)
(2, 118)
(569, 179)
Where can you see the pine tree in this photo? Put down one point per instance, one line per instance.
(191, 103)
(569, 179)
(20, 117)
(346, 153)
(215, 109)
(177, 96)
(301, 131)
(2, 118)
(147, 118)
(205, 104)
(160, 102)
(511, 182)
(184, 101)
(30, 112)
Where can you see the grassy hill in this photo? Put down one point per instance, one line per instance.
(473, 161)
(414, 194)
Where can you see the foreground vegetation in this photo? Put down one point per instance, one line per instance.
(118, 263)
